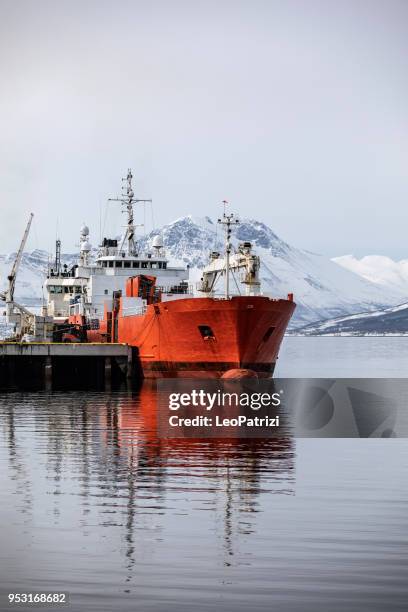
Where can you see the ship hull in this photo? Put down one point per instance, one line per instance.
(205, 369)
(207, 337)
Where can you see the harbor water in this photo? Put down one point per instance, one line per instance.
(93, 503)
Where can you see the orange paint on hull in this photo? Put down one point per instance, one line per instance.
(239, 333)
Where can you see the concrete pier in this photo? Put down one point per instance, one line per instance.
(52, 365)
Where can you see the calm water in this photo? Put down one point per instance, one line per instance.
(361, 357)
(94, 504)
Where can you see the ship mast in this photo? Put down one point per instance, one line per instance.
(57, 257)
(227, 221)
(128, 199)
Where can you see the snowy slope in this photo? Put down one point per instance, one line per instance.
(389, 321)
(322, 288)
(30, 274)
(384, 271)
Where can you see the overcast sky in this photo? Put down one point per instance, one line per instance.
(296, 111)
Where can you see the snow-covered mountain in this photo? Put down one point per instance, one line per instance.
(378, 269)
(387, 321)
(322, 288)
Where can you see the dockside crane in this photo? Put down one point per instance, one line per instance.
(17, 314)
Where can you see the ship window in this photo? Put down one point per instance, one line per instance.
(58, 289)
(206, 332)
(106, 292)
(154, 264)
(144, 264)
(110, 264)
(104, 263)
(164, 265)
(118, 264)
(127, 264)
(268, 334)
(77, 289)
(159, 264)
(51, 288)
(135, 264)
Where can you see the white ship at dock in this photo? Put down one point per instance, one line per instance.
(87, 285)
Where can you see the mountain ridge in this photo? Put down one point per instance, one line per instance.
(380, 269)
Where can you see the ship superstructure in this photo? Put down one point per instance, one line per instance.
(84, 288)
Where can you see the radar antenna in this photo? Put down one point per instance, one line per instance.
(128, 200)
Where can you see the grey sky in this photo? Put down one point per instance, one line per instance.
(295, 111)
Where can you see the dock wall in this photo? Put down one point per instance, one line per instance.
(47, 366)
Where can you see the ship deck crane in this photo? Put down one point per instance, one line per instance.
(243, 261)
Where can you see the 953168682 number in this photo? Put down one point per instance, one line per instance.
(38, 598)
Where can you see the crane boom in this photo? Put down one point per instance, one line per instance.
(12, 276)
(244, 261)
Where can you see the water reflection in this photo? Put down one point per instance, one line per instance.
(17, 456)
(103, 450)
(94, 503)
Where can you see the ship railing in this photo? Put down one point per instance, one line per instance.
(131, 311)
(116, 252)
(161, 254)
(203, 287)
(65, 274)
(182, 289)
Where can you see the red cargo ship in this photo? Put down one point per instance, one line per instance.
(200, 337)
(177, 330)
